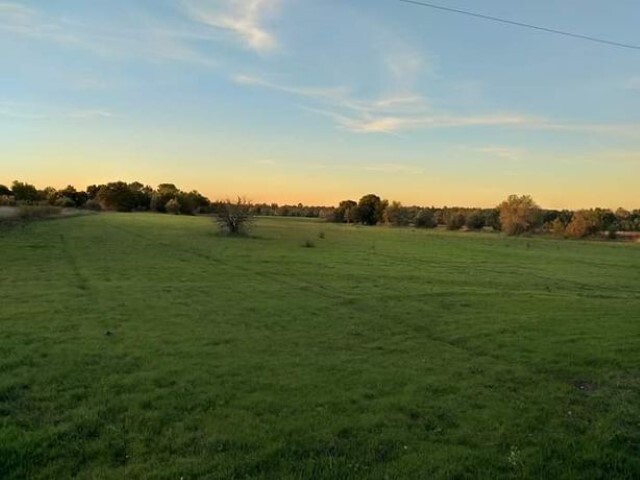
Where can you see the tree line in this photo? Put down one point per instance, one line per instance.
(516, 215)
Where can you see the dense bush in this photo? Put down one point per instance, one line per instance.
(425, 219)
(172, 207)
(475, 220)
(456, 221)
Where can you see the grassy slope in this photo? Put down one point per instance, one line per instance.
(380, 353)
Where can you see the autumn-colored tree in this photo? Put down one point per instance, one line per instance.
(558, 228)
(518, 214)
(582, 224)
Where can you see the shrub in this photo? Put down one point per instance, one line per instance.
(582, 225)
(7, 201)
(456, 222)
(93, 205)
(558, 228)
(172, 206)
(65, 202)
(234, 218)
(37, 212)
(475, 220)
(425, 219)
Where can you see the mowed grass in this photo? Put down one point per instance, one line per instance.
(147, 346)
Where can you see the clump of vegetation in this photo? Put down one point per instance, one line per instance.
(475, 220)
(558, 228)
(519, 214)
(321, 235)
(37, 212)
(582, 225)
(456, 221)
(172, 207)
(397, 215)
(308, 244)
(425, 219)
(234, 218)
(93, 205)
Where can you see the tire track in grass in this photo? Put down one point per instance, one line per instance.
(295, 284)
(80, 280)
(350, 303)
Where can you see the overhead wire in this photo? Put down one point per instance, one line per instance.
(522, 24)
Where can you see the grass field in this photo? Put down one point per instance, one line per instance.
(147, 346)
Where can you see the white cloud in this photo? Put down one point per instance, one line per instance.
(148, 39)
(393, 168)
(632, 83)
(243, 19)
(24, 111)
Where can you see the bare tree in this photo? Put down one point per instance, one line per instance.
(234, 218)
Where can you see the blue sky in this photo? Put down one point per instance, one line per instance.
(316, 101)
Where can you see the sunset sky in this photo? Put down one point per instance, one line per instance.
(315, 101)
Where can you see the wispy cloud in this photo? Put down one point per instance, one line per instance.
(150, 40)
(393, 115)
(632, 83)
(21, 111)
(498, 151)
(243, 19)
(393, 168)
(331, 93)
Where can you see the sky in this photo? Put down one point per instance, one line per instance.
(316, 101)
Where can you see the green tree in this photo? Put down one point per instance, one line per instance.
(475, 220)
(25, 192)
(397, 215)
(345, 213)
(519, 214)
(172, 207)
(370, 209)
(456, 221)
(5, 192)
(425, 219)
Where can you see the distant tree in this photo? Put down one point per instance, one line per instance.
(370, 210)
(24, 192)
(492, 218)
(345, 212)
(116, 196)
(92, 204)
(233, 218)
(193, 202)
(172, 207)
(50, 195)
(475, 220)
(456, 221)
(557, 227)
(5, 192)
(397, 215)
(92, 192)
(65, 202)
(424, 219)
(79, 198)
(519, 214)
(583, 224)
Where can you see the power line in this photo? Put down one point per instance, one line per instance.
(524, 25)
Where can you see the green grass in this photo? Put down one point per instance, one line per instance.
(147, 346)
